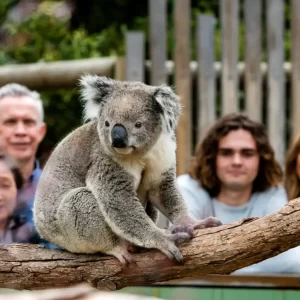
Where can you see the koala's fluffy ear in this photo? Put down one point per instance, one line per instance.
(170, 105)
(93, 90)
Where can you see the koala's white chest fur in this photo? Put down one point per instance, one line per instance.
(149, 169)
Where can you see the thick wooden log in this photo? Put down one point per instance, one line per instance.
(59, 74)
(220, 250)
(65, 74)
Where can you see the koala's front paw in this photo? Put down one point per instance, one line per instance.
(169, 246)
(188, 228)
(189, 225)
(207, 223)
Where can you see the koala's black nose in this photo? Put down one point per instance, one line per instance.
(119, 136)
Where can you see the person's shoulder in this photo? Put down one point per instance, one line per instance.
(274, 191)
(188, 184)
(186, 181)
(197, 198)
(274, 198)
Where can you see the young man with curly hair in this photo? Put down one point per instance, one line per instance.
(234, 175)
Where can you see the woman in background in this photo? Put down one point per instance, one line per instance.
(292, 170)
(12, 228)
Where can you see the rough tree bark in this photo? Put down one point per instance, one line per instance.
(219, 250)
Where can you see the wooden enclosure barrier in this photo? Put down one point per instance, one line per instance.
(263, 82)
(266, 88)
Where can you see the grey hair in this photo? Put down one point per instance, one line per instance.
(18, 90)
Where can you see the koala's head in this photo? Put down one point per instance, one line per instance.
(131, 115)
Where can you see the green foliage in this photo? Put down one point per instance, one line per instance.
(4, 7)
(42, 37)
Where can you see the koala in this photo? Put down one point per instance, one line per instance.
(103, 184)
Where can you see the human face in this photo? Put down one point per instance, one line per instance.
(8, 194)
(20, 128)
(237, 160)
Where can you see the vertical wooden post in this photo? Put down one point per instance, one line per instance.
(158, 41)
(229, 21)
(135, 56)
(183, 82)
(253, 78)
(120, 69)
(276, 88)
(295, 105)
(206, 75)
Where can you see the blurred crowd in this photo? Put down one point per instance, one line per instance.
(233, 174)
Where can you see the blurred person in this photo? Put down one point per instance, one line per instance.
(292, 170)
(22, 129)
(13, 229)
(234, 175)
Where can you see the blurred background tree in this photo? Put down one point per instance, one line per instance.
(37, 30)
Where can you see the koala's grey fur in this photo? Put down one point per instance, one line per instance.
(93, 197)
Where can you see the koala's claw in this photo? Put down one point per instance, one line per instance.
(207, 223)
(124, 259)
(173, 253)
(170, 249)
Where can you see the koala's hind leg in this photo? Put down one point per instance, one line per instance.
(83, 228)
(120, 251)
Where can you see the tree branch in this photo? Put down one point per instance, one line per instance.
(220, 250)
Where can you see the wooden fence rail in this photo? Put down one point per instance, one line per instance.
(58, 74)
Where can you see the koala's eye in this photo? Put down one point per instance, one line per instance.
(138, 124)
(106, 124)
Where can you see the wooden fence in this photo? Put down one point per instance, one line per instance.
(211, 88)
(266, 89)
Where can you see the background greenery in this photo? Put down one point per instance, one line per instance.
(95, 29)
